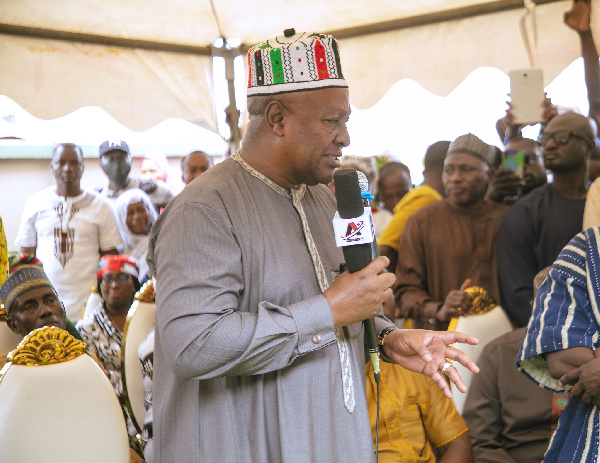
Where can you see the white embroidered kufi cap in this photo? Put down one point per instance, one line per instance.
(294, 62)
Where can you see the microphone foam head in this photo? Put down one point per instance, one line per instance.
(347, 193)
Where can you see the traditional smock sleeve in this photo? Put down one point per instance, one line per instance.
(109, 235)
(566, 311)
(411, 276)
(517, 264)
(207, 319)
(27, 235)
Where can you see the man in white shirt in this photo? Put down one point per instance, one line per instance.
(68, 229)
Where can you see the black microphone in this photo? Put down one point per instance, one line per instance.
(357, 239)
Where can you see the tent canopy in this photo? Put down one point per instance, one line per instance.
(146, 61)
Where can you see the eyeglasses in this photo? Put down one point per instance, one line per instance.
(120, 278)
(561, 137)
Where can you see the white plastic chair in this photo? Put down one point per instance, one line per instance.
(93, 301)
(66, 411)
(139, 322)
(485, 327)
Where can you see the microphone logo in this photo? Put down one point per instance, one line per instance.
(353, 232)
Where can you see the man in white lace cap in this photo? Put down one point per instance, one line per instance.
(259, 350)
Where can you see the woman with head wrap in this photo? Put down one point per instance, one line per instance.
(102, 333)
(135, 215)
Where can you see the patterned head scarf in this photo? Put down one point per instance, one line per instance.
(294, 62)
(117, 263)
(25, 272)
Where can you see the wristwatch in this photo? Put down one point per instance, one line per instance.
(383, 333)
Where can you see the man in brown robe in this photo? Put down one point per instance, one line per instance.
(451, 244)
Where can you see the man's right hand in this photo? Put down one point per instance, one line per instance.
(579, 17)
(585, 381)
(458, 302)
(504, 185)
(354, 297)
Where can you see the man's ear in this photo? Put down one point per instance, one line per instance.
(491, 173)
(12, 324)
(274, 114)
(590, 148)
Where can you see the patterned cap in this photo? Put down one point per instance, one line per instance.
(294, 62)
(474, 146)
(117, 263)
(25, 273)
(111, 145)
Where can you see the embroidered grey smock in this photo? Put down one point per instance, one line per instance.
(246, 364)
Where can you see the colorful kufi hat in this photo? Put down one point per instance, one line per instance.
(294, 62)
(25, 272)
(117, 263)
(474, 146)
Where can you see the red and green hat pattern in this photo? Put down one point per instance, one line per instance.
(294, 62)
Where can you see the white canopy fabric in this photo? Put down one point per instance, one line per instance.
(107, 53)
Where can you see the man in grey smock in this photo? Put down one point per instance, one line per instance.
(259, 353)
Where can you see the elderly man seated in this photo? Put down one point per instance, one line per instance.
(31, 302)
(29, 299)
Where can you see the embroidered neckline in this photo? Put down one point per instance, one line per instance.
(65, 211)
(263, 178)
(79, 202)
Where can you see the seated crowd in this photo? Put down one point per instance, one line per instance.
(472, 236)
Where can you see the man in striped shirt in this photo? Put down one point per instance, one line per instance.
(561, 344)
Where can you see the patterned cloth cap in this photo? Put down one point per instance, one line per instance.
(25, 273)
(117, 263)
(474, 146)
(294, 62)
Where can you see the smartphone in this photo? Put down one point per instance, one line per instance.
(527, 95)
(513, 159)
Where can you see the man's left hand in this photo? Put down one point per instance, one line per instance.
(585, 381)
(425, 352)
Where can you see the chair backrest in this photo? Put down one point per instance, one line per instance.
(8, 339)
(139, 322)
(64, 411)
(93, 301)
(485, 327)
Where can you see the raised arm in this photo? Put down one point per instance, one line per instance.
(578, 19)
